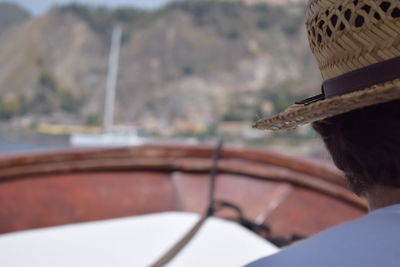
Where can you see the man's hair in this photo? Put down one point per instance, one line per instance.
(365, 144)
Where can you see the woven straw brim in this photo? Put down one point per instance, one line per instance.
(297, 115)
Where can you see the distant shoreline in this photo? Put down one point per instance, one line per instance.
(25, 140)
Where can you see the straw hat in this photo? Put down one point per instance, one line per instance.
(357, 47)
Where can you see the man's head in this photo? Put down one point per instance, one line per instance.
(357, 48)
(365, 144)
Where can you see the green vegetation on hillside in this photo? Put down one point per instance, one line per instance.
(47, 98)
(280, 98)
(101, 19)
(232, 18)
(228, 18)
(286, 95)
(11, 106)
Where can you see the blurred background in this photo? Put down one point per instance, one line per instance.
(188, 71)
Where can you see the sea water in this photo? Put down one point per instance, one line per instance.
(14, 141)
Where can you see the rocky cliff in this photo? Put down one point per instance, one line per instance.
(197, 62)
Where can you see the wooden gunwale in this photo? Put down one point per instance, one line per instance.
(303, 165)
(255, 163)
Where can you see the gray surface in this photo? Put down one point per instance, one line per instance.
(370, 241)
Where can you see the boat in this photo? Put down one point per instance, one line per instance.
(111, 138)
(111, 135)
(129, 206)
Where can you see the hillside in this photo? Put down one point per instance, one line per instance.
(10, 15)
(254, 2)
(194, 62)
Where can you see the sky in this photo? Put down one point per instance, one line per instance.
(38, 7)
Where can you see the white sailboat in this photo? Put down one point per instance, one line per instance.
(112, 136)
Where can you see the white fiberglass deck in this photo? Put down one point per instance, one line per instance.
(133, 241)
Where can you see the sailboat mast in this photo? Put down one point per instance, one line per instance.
(112, 78)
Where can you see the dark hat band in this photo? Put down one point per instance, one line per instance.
(360, 79)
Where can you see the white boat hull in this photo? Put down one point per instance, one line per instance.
(105, 140)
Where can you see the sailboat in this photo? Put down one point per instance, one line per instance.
(112, 136)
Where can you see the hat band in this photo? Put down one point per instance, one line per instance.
(366, 77)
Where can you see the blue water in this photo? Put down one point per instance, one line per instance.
(19, 142)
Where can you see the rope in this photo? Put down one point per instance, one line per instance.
(172, 252)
